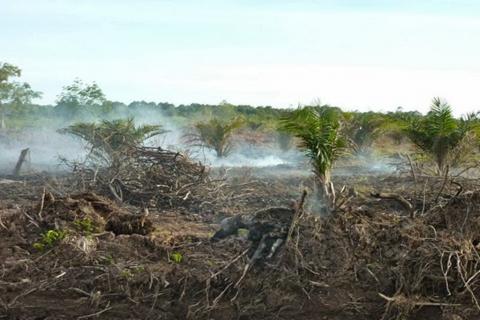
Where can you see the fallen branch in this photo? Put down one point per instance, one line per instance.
(393, 196)
(229, 264)
(94, 314)
(419, 303)
(296, 215)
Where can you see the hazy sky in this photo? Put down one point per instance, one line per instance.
(358, 54)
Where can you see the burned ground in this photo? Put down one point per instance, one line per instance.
(369, 260)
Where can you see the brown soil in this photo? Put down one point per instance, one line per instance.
(367, 261)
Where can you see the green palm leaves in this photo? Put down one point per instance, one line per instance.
(438, 133)
(362, 129)
(216, 134)
(109, 139)
(318, 130)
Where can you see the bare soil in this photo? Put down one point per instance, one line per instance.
(369, 260)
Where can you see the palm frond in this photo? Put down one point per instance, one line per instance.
(319, 135)
(215, 134)
(439, 133)
(109, 139)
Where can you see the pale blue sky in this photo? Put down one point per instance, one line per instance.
(358, 54)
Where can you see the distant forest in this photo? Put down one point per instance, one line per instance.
(82, 101)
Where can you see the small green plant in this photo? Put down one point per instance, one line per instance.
(129, 272)
(126, 273)
(85, 225)
(49, 239)
(107, 259)
(243, 232)
(38, 246)
(176, 257)
(138, 269)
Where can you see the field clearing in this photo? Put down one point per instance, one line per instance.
(370, 259)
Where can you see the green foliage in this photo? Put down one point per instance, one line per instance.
(439, 133)
(85, 225)
(13, 94)
(127, 274)
(362, 129)
(243, 232)
(110, 139)
(318, 130)
(396, 123)
(82, 99)
(7, 71)
(49, 239)
(107, 259)
(176, 257)
(215, 134)
(80, 93)
(39, 246)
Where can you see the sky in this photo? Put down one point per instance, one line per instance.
(356, 54)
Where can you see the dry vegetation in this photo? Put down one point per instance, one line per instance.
(369, 260)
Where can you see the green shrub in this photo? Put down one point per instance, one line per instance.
(85, 225)
(49, 239)
(176, 257)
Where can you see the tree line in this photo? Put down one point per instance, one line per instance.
(82, 101)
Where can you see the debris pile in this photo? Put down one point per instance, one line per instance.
(154, 177)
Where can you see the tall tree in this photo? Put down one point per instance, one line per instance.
(79, 96)
(13, 93)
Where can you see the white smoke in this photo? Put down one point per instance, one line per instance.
(46, 146)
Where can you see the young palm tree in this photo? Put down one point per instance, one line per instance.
(318, 130)
(362, 129)
(439, 133)
(109, 140)
(215, 134)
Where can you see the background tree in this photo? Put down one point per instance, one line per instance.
(13, 94)
(319, 133)
(362, 129)
(82, 97)
(396, 122)
(215, 134)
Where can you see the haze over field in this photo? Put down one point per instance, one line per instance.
(366, 55)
